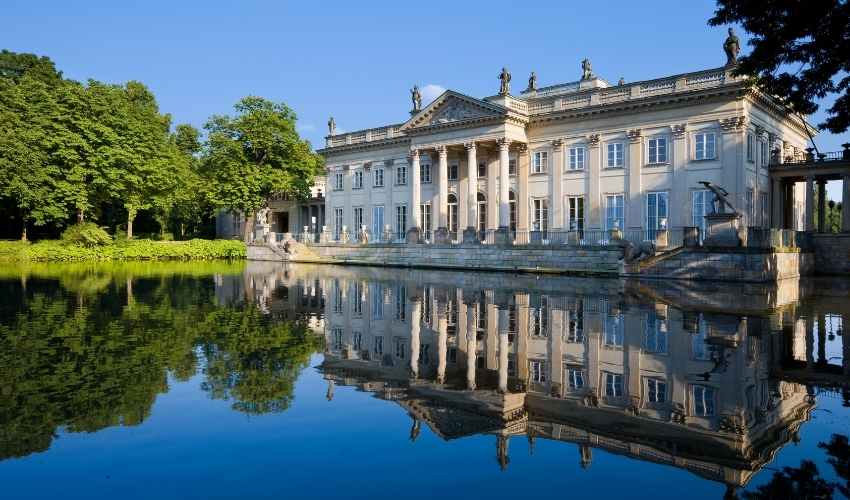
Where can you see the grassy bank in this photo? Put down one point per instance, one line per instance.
(60, 251)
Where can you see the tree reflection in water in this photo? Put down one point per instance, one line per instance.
(96, 351)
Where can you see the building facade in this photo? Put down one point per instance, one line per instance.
(584, 155)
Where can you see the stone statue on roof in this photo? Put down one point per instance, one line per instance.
(331, 126)
(416, 97)
(586, 69)
(732, 46)
(532, 82)
(505, 79)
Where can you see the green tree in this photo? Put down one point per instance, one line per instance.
(255, 154)
(800, 51)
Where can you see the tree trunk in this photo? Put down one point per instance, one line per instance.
(81, 216)
(131, 214)
(248, 231)
(24, 231)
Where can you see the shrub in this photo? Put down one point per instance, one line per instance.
(87, 234)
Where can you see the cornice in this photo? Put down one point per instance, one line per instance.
(364, 146)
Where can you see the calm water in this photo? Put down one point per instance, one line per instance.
(264, 381)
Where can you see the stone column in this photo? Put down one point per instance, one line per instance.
(503, 349)
(522, 204)
(810, 203)
(556, 218)
(414, 233)
(442, 340)
(442, 233)
(503, 236)
(415, 326)
(821, 205)
(678, 210)
(592, 208)
(471, 342)
(633, 211)
(776, 195)
(470, 234)
(845, 207)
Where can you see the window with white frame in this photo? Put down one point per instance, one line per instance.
(338, 222)
(612, 331)
(338, 181)
(358, 218)
(357, 301)
(538, 318)
(763, 155)
(376, 294)
(378, 346)
(656, 390)
(357, 341)
(540, 214)
(576, 158)
(400, 303)
(540, 164)
(750, 147)
(337, 339)
(425, 172)
(613, 384)
(575, 211)
(765, 208)
(401, 175)
(616, 155)
(655, 334)
(656, 212)
(512, 166)
(574, 378)
(700, 349)
(425, 216)
(705, 145)
(338, 305)
(657, 151)
(358, 179)
(482, 169)
(377, 220)
(614, 212)
(702, 202)
(452, 172)
(749, 201)
(378, 177)
(575, 325)
(537, 370)
(400, 220)
(703, 400)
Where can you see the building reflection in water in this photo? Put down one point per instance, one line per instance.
(711, 378)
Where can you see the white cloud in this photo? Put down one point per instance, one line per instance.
(305, 127)
(431, 92)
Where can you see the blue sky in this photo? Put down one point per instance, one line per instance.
(357, 60)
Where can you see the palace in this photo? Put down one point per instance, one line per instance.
(583, 155)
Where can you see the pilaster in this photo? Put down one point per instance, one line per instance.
(522, 188)
(680, 208)
(593, 202)
(634, 196)
(504, 182)
(556, 169)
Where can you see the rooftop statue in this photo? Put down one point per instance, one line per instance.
(732, 46)
(586, 69)
(532, 81)
(416, 97)
(505, 78)
(720, 201)
(331, 126)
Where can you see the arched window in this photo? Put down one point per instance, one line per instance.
(513, 212)
(452, 213)
(482, 213)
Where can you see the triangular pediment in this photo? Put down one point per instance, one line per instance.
(451, 107)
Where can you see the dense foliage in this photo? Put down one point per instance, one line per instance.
(75, 152)
(81, 357)
(800, 50)
(61, 251)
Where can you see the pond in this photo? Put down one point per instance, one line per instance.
(261, 380)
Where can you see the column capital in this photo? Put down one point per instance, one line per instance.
(679, 130)
(442, 150)
(593, 140)
(522, 148)
(503, 142)
(470, 146)
(413, 153)
(558, 144)
(733, 124)
(634, 135)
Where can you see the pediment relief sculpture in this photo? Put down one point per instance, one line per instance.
(456, 110)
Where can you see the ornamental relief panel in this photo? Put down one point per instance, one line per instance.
(456, 110)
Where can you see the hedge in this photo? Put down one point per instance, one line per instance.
(58, 251)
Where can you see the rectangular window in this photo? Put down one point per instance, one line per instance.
(541, 162)
(655, 334)
(357, 303)
(482, 169)
(378, 176)
(401, 175)
(702, 206)
(764, 154)
(338, 186)
(400, 220)
(765, 208)
(540, 215)
(750, 147)
(452, 173)
(338, 221)
(358, 179)
(705, 146)
(337, 339)
(512, 166)
(700, 349)
(376, 294)
(425, 216)
(425, 173)
(703, 397)
(538, 319)
(616, 155)
(612, 331)
(575, 325)
(400, 348)
(656, 390)
(400, 303)
(657, 151)
(357, 341)
(538, 370)
(379, 346)
(614, 213)
(338, 306)
(576, 158)
(358, 219)
(377, 221)
(749, 194)
(613, 384)
(575, 208)
(656, 213)
(575, 378)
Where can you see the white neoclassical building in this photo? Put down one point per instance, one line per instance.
(584, 155)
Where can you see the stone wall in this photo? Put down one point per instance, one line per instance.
(832, 253)
(734, 264)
